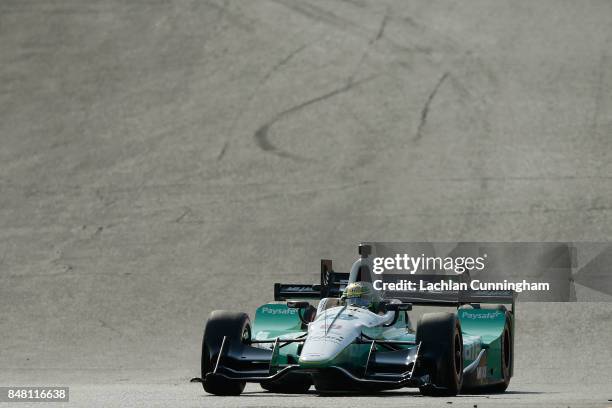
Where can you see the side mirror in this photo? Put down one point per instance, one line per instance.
(397, 307)
(297, 304)
(302, 310)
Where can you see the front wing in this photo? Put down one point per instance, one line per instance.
(395, 368)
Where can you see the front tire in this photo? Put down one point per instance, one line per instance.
(236, 327)
(442, 350)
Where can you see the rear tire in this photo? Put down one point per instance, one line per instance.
(506, 359)
(237, 329)
(442, 350)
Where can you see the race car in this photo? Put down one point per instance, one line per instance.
(356, 339)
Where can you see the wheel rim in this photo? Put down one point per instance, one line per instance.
(246, 334)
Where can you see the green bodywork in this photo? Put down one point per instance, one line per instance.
(481, 328)
(276, 320)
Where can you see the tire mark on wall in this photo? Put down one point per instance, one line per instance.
(320, 15)
(426, 107)
(261, 135)
(373, 40)
(284, 61)
(381, 30)
(223, 150)
(281, 63)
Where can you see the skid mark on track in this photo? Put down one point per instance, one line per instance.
(261, 135)
(426, 107)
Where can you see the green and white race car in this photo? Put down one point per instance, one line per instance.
(357, 340)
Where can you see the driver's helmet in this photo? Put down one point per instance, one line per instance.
(361, 294)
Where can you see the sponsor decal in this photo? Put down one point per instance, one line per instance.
(330, 337)
(330, 326)
(298, 289)
(278, 311)
(487, 315)
(332, 316)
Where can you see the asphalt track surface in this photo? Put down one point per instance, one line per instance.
(159, 160)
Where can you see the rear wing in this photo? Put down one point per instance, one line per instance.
(332, 284)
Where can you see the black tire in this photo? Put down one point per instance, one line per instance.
(442, 351)
(506, 359)
(237, 328)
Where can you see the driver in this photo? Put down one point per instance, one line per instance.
(361, 294)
